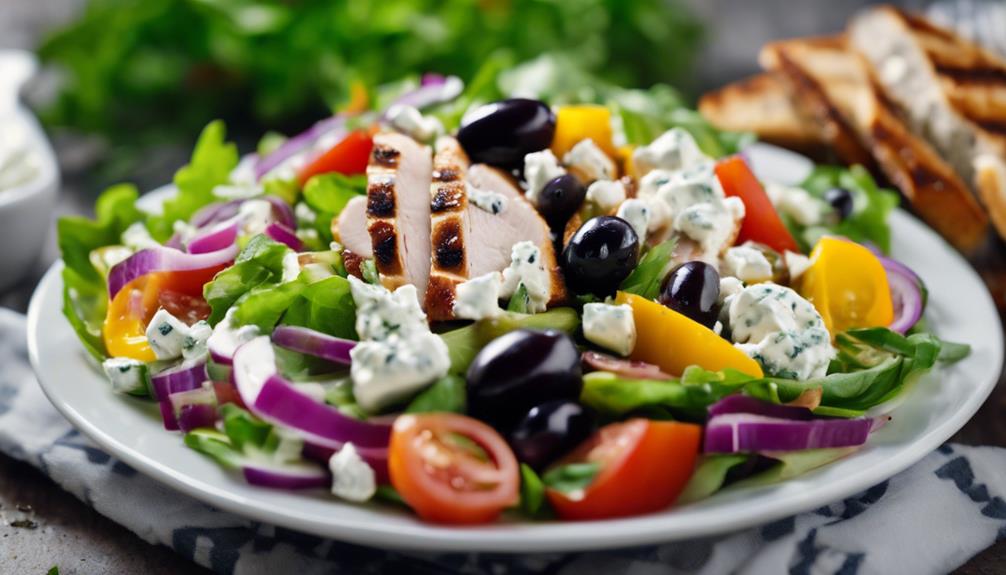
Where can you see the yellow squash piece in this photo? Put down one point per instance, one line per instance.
(575, 123)
(125, 325)
(673, 341)
(848, 286)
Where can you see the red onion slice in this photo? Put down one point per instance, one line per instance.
(739, 403)
(194, 408)
(435, 89)
(215, 213)
(168, 415)
(624, 367)
(299, 476)
(298, 143)
(282, 211)
(182, 377)
(311, 342)
(216, 238)
(164, 259)
(276, 400)
(284, 235)
(906, 294)
(748, 432)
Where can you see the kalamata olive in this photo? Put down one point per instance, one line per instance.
(519, 370)
(501, 133)
(551, 430)
(560, 198)
(840, 199)
(692, 289)
(601, 254)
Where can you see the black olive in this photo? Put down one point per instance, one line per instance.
(551, 430)
(692, 289)
(841, 200)
(560, 198)
(519, 370)
(601, 254)
(501, 133)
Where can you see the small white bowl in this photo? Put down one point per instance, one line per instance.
(26, 210)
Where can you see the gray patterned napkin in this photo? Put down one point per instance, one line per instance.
(929, 519)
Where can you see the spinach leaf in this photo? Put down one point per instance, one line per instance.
(326, 306)
(571, 477)
(259, 263)
(532, 493)
(645, 280)
(447, 394)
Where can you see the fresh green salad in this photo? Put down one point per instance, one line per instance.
(534, 292)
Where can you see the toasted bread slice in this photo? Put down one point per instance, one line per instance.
(761, 104)
(952, 91)
(836, 85)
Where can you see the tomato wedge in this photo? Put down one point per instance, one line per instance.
(349, 157)
(180, 293)
(452, 469)
(761, 223)
(644, 466)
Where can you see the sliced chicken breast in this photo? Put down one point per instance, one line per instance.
(450, 220)
(350, 228)
(398, 207)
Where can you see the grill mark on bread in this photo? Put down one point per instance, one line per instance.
(987, 74)
(381, 200)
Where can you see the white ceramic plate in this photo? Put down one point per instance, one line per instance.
(960, 309)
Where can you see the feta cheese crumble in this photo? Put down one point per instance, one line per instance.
(610, 326)
(397, 355)
(589, 162)
(478, 298)
(675, 149)
(227, 336)
(486, 200)
(797, 264)
(781, 331)
(194, 343)
(527, 268)
(136, 237)
(606, 194)
(166, 334)
(254, 216)
(746, 263)
(352, 478)
(539, 169)
(637, 213)
(411, 122)
(796, 203)
(126, 374)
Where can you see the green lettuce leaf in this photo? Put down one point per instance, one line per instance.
(532, 493)
(645, 280)
(868, 221)
(260, 262)
(710, 475)
(571, 477)
(447, 394)
(326, 306)
(464, 343)
(327, 195)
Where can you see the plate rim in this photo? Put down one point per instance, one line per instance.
(413, 535)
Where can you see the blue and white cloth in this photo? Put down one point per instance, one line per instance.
(929, 519)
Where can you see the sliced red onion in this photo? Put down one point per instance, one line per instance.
(282, 211)
(906, 294)
(290, 476)
(175, 241)
(624, 367)
(284, 235)
(276, 400)
(182, 377)
(215, 213)
(311, 342)
(431, 91)
(168, 415)
(739, 403)
(164, 259)
(432, 79)
(195, 408)
(375, 457)
(297, 143)
(216, 238)
(749, 432)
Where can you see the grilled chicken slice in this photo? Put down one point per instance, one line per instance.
(398, 207)
(350, 228)
(450, 220)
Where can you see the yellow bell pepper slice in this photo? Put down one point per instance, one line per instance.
(124, 330)
(848, 286)
(579, 122)
(674, 342)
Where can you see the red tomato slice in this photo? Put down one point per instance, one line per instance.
(349, 157)
(644, 466)
(452, 469)
(761, 222)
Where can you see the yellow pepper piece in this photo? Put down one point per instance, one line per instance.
(848, 286)
(575, 123)
(625, 161)
(124, 330)
(673, 341)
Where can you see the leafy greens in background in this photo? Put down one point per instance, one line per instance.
(872, 205)
(153, 69)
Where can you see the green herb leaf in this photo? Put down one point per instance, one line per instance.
(571, 477)
(259, 263)
(447, 394)
(242, 428)
(709, 476)
(645, 280)
(520, 301)
(326, 306)
(532, 492)
(464, 343)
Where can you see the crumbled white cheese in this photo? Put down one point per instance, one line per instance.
(637, 213)
(796, 203)
(227, 336)
(304, 213)
(184, 231)
(126, 374)
(397, 355)
(797, 264)
(478, 298)
(291, 266)
(238, 191)
(589, 161)
(781, 331)
(166, 335)
(606, 194)
(527, 268)
(673, 150)
(729, 286)
(254, 216)
(411, 122)
(486, 200)
(747, 263)
(352, 478)
(136, 237)
(539, 169)
(194, 343)
(610, 326)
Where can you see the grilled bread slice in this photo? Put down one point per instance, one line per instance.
(836, 85)
(952, 91)
(760, 104)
